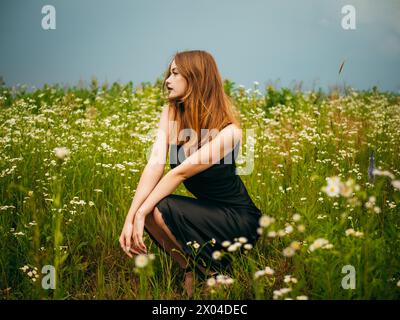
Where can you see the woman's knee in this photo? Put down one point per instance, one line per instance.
(150, 220)
(157, 216)
(154, 219)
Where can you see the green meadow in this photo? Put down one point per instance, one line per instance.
(325, 173)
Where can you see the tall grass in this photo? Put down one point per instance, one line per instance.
(69, 212)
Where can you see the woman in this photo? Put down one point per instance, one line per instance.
(191, 229)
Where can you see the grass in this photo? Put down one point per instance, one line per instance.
(69, 213)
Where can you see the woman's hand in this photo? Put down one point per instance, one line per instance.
(137, 234)
(125, 239)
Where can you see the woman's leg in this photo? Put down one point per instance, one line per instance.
(158, 229)
(156, 226)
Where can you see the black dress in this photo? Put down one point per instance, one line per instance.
(222, 210)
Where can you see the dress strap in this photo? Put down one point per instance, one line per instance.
(226, 125)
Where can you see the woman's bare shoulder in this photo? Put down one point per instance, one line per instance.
(234, 128)
(233, 131)
(170, 125)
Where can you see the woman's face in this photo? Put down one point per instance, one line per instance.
(176, 83)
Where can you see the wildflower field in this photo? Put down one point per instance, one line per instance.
(326, 176)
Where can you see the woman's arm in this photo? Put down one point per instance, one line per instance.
(154, 169)
(199, 161)
(149, 178)
(152, 173)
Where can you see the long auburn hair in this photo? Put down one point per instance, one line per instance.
(204, 105)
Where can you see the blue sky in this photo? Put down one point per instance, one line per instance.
(269, 41)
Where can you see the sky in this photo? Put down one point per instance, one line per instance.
(279, 42)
